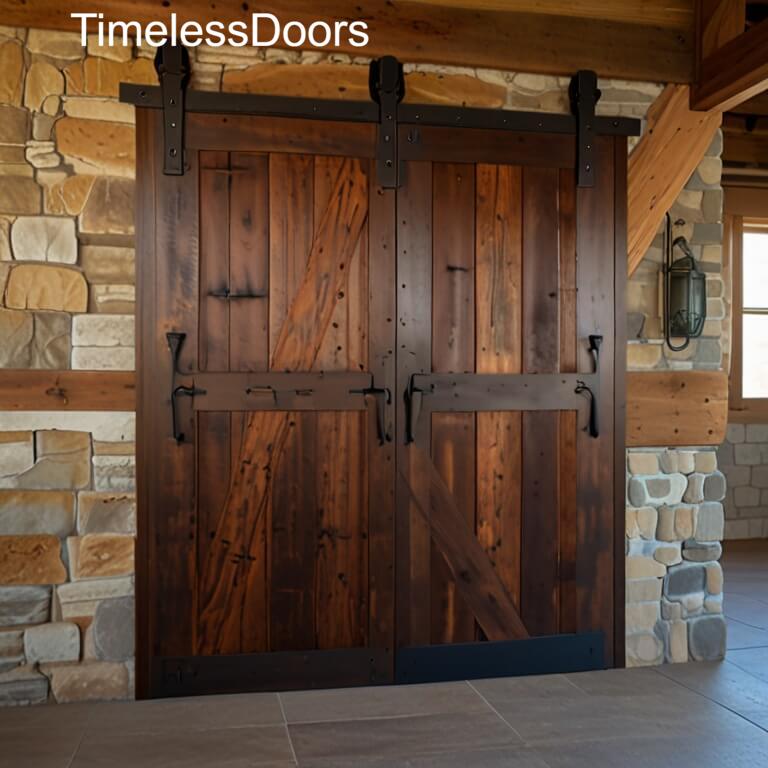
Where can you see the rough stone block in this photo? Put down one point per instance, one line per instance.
(678, 642)
(739, 476)
(44, 238)
(647, 518)
(683, 580)
(713, 604)
(100, 555)
(17, 453)
(746, 496)
(757, 433)
(735, 433)
(57, 45)
(34, 340)
(23, 686)
(89, 681)
(702, 552)
(114, 153)
(102, 77)
(58, 641)
(114, 473)
(692, 604)
(113, 625)
(642, 356)
(641, 567)
(642, 463)
(760, 477)
(706, 638)
(39, 286)
(14, 129)
(669, 554)
(19, 194)
(112, 299)
(644, 649)
(632, 531)
(11, 72)
(641, 616)
(643, 590)
(694, 493)
(63, 462)
(637, 493)
(23, 512)
(107, 264)
(714, 487)
(102, 110)
(103, 331)
(748, 454)
(33, 559)
(710, 520)
(105, 512)
(104, 426)
(109, 209)
(103, 358)
(671, 611)
(714, 579)
(24, 605)
(705, 462)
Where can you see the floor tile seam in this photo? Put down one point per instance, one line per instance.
(497, 713)
(721, 704)
(287, 729)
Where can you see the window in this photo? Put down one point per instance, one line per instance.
(749, 367)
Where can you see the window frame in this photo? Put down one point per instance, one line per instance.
(747, 212)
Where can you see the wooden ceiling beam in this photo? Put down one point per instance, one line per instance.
(418, 32)
(672, 146)
(734, 72)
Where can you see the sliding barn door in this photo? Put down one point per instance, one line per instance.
(380, 430)
(507, 443)
(267, 366)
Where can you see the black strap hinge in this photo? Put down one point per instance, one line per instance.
(584, 95)
(387, 86)
(172, 66)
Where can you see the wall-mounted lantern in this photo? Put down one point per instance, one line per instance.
(685, 291)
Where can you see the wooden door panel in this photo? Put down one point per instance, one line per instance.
(505, 295)
(304, 532)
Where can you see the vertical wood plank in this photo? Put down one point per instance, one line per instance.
(381, 458)
(619, 365)
(499, 350)
(414, 320)
(293, 523)
(341, 602)
(151, 410)
(568, 420)
(453, 350)
(213, 437)
(249, 348)
(174, 503)
(595, 277)
(541, 351)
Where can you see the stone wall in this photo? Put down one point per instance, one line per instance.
(674, 583)
(67, 301)
(743, 458)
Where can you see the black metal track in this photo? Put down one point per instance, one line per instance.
(368, 112)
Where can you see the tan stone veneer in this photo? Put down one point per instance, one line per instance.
(67, 299)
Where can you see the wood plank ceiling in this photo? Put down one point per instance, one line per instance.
(633, 39)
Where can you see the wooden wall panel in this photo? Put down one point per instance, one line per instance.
(677, 408)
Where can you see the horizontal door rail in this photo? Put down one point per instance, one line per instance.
(368, 112)
(281, 391)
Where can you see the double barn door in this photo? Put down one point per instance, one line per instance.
(371, 428)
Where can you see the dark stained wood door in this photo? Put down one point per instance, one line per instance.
(506, 268)
(270, 554)
(301, 521)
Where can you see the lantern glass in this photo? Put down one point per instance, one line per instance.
(687, 298)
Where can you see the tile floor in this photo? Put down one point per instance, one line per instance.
(702, 715)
